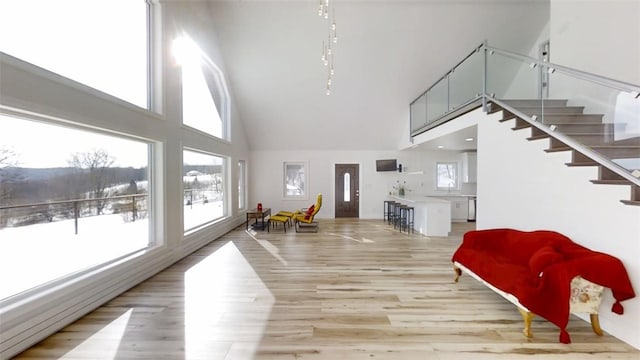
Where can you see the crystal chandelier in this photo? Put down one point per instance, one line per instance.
(328, 46)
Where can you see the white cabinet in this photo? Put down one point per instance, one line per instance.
(469, 167)
(459, 206)
(459, 209)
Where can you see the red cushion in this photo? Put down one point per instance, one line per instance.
(310, 210)
(542, 258)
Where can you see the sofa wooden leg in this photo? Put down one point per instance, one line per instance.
(527, 316)
(595, 324)
(458, 273)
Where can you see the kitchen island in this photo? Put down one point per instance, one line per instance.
(432, 215)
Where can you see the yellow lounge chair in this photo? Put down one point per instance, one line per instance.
(304, 219)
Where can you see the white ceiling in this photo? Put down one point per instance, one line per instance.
(388, 53)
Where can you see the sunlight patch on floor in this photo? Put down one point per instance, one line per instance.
(220, 285)
(115, 330)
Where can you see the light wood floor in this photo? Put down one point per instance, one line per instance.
(355, 290)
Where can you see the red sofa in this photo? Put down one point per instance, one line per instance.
(537, 268)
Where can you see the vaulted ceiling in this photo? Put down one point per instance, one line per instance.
(388, 53)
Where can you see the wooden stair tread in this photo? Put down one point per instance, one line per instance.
(582, 163)
(584, 128)
(538, 137)
(600, 147)
(612, 182)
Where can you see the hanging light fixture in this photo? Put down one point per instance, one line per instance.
(328, 48)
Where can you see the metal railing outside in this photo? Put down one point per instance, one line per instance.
(130, 206)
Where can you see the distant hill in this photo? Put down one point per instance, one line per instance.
(35, 174)
(38, 174)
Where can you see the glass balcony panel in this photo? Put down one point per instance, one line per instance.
(437, 100)
(511, 79)
(419, 113)
(465, 82)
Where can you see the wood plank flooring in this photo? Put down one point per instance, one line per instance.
(357, 289)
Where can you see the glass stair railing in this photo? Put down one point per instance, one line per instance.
(595, 117)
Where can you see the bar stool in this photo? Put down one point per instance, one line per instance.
(407, 218)
(391, 211)
(397, 216)
(385, 210)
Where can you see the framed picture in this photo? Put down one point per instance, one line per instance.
(295, 180)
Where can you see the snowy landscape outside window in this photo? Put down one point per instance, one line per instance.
(295, 180)
(203, 185)
(66, 206)
(447, 176)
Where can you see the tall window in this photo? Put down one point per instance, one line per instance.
(70, 199)
(204, 100)
(447, 176)
(242, 185)
(102, 44)
(203, 183)
(347, 187)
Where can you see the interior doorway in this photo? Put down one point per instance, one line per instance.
(347, 192)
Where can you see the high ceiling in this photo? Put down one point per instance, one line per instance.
(388, 53)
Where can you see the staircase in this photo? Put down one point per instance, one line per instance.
(588, 129)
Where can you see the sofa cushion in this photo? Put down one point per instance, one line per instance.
(542, 258)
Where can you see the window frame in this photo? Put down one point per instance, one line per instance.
(153, 238)
(242, 185)
(215, 81)
(99, 88)
(455, 166)
(224, 186)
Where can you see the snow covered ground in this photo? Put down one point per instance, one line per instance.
(36, 254)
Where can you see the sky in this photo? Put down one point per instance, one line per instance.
(38, 145)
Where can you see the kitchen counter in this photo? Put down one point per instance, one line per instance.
(432, 215)
(463, 206)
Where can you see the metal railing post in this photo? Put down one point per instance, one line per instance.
(484, 77)
(76, 214)
(133, 202)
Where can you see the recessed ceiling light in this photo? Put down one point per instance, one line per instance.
(468, 139)
(440, 146)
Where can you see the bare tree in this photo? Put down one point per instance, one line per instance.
(7, 157)
(7, 160)
(7, 180)
(95, 165)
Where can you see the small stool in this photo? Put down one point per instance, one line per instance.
(391, 211)
(406, 218)
(385, 210)
(288, 214)
(278, 219)
(397, 216)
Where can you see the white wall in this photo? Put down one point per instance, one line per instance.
(521, 186)
(600, 37)
(267, 167)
